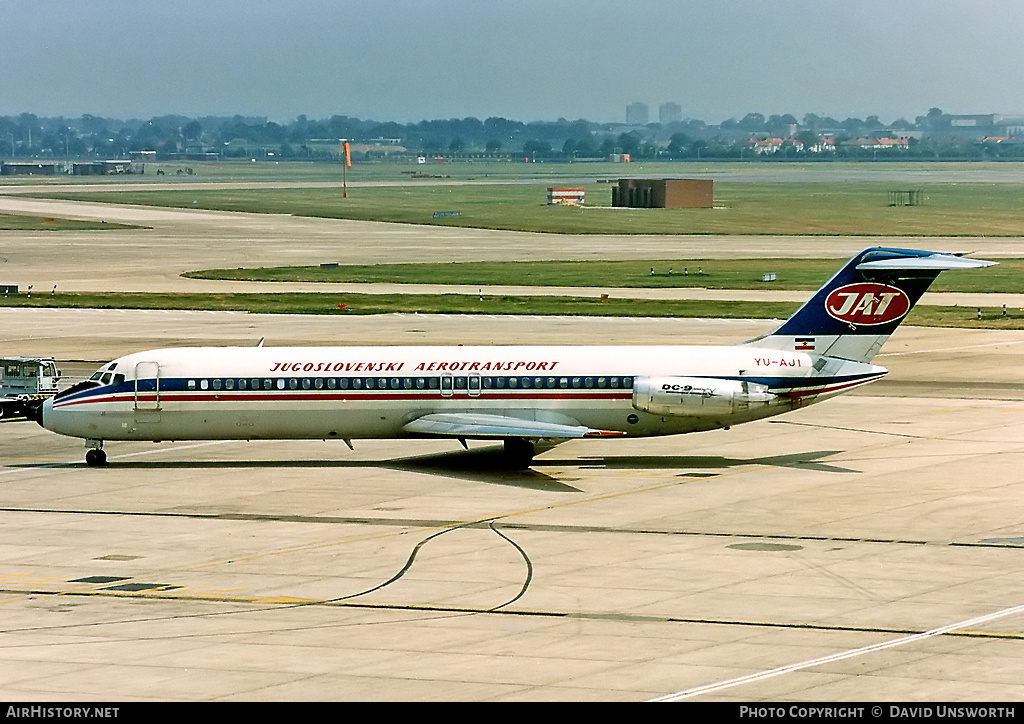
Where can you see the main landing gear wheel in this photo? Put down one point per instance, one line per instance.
(95, 458)
(519, 453)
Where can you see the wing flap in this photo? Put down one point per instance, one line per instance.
(464, 424)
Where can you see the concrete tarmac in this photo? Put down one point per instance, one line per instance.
(864, 549)
(611, 570)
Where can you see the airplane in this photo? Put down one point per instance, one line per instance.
(529, 397)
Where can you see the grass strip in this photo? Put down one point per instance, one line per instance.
(790, 274)
(846, 208)
(360, 304)
(18, 222)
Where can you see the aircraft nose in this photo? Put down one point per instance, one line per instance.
(34, 410)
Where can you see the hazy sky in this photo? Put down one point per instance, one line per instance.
(407, 60)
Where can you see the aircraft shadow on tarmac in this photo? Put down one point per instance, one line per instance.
(811, 460)
(489, 465)
(485, 465)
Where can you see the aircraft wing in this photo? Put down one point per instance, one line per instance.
(469, 424)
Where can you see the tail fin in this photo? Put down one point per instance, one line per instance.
(854, 313)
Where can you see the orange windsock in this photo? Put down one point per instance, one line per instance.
(348, 156)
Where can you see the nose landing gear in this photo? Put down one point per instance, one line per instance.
(95, 457)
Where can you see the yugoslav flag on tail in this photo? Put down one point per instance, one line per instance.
(853, 315)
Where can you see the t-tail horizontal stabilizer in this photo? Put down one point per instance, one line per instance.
(857, 310)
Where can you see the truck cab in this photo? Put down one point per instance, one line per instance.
(26, 382)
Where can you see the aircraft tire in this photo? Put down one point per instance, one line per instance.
(95, 458)
(519, 452)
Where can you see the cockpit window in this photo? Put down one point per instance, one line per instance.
(97, 376)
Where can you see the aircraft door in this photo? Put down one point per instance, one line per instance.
(447, 386)
(147, 391)
(473, 385)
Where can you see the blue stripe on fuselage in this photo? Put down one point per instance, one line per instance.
(180, 389)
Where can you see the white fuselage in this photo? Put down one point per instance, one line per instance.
(375, 392)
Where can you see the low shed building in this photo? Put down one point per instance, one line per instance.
(101, 168)
(664, 193)
(28, 168)
(567, 197)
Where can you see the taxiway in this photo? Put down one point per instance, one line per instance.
(867, 548)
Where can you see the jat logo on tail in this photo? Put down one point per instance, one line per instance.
(867, 304)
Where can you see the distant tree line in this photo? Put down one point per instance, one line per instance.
(29, 136)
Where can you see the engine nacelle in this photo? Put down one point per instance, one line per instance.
(693, 396)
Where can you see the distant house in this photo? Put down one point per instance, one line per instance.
(766, 146)
(878, 144)
(825, 144)
(902, 143)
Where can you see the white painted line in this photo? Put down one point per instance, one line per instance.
(154, 451)
(951, 349)
(172, 449)
(710, 688)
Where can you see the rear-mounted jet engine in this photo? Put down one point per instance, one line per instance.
(686, 396)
